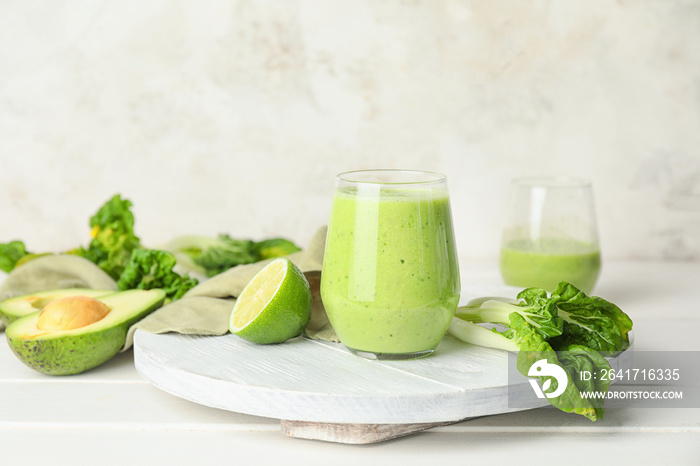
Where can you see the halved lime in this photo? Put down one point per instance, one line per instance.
(274, 306)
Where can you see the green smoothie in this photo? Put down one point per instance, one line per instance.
(545, 263)
(390, 281)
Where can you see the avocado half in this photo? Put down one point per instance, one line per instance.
(19, 306)
(67, 352)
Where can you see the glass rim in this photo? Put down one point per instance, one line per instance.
(551, 182)
(354, 176)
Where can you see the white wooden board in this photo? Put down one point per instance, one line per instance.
(312, 381)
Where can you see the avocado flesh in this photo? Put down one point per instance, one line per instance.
(67, 352)
(12, 309)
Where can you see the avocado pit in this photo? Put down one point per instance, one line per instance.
(70, 313)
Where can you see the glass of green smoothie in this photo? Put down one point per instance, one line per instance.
(550, 234)
(390, 281)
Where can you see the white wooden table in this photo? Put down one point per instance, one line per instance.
(110, 415)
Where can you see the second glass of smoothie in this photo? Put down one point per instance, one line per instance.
(550, 234)
(390, 281)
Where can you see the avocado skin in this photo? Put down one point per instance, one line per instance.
(74, 354)
(69, 355)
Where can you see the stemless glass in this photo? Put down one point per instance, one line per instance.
(390, 280)
(550, 234)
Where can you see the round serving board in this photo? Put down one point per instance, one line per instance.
(322, 382)
(321, 390)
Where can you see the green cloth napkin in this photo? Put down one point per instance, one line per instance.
(54, 272)
(206, 308)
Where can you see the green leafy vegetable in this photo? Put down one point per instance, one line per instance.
(113, 237)
(211, 256)
(10, 253)
(534, 306)
(568, 316)
(567, 328)
(578, 359)
(227, 253)
(534, 348)
(591, 321)
(152, 268)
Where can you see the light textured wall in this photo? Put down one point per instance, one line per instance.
(234, 116)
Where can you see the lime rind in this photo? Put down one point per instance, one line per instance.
(284, 311)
